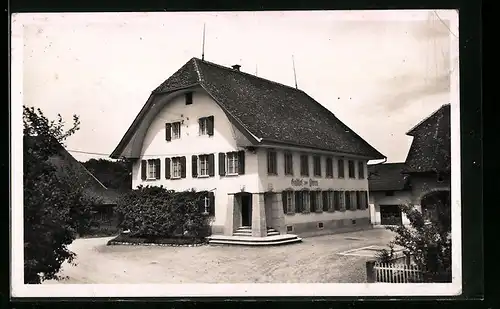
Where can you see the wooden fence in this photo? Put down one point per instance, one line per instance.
(393, 272)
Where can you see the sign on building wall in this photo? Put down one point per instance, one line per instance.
(304, 182)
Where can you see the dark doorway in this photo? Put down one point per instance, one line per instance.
(390, 215)
(246, 209)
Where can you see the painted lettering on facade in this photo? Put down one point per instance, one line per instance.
(304, 182)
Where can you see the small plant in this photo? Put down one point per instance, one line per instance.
(386, 256)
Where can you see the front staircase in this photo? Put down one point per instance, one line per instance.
(243, 236)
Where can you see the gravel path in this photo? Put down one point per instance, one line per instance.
(315, 260)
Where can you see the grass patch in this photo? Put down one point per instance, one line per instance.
(173, 241)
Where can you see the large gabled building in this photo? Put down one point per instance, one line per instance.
(275, 160)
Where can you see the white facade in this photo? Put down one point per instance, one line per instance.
(255, 180)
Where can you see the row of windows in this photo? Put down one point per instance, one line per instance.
(319, 201)
(173, 129)
(272, 166)
(230, 163)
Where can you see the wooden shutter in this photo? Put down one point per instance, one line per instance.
(157, 168)
(210, 125)
(167, 168)
(168, 132)
(284, 200)
(194, 166)
(144, 165)
(241, 162)
(298, 201)
(222, 164)
(326, 207)
(211, 165)
(211, 197)
(183, 167)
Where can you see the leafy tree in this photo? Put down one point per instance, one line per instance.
(427, 239)
(55, 210)
(113, 174)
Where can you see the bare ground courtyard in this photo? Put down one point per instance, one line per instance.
(315, 260)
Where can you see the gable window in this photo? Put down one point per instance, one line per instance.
(272, 167)
(176, 130)
(208, 204)
(203, 165)
(189, 98)
(340, 168)
(329, 168)
(317, 166)
(176, 167)
(206, 125)
(150, 169)
(361, 170)
(288, 163)
(304, 165)
(352, 173)
(232, 163)
(288, 202)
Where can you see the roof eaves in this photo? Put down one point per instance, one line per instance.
(131, 130)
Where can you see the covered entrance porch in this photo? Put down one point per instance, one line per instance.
(254, 219)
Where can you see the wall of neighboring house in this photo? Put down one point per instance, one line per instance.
(226, 138)
(422, 184)
(378, 198)
(307, 223)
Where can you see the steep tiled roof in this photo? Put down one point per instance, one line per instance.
(269, 111)
(387, 177)
(430, 150)
(70, 168)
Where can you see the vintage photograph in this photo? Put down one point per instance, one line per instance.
(236, 151)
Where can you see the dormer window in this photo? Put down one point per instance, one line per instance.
(189, 98)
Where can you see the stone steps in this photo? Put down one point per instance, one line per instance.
(247, 231)
(254, 241)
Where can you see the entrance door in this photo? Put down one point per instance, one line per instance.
(246, 209)
(390, 215)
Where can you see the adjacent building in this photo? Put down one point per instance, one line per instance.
(423, 180)
(272, 158)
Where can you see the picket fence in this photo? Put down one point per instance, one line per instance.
(397, 273)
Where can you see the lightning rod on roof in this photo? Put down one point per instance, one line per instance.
(203, 44)
(294, 73)
(256, 70)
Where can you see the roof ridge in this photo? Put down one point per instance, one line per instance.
(427, 118)
(247, 74)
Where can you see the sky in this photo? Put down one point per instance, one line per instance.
(379, 72)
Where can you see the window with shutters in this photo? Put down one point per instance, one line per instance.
(288, 163)
(302, 201)
(329, 168)
(352, 200)
(347, 200)
(340, 168)
(328, 201)
(350, 166)
(152, 169)
(232, 163)
(206, 125)
(316, 199)
(317, 166)
(203, 166)
(272, 164)
(361, 170)
(176, 167)
(337, 200)
(304, 165)
(203, 126)
(288, 202)
(176, 130)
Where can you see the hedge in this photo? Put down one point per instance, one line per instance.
(157, 213)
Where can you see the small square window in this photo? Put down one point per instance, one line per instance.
(320, 225)
(289, 228)
(189, 98)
